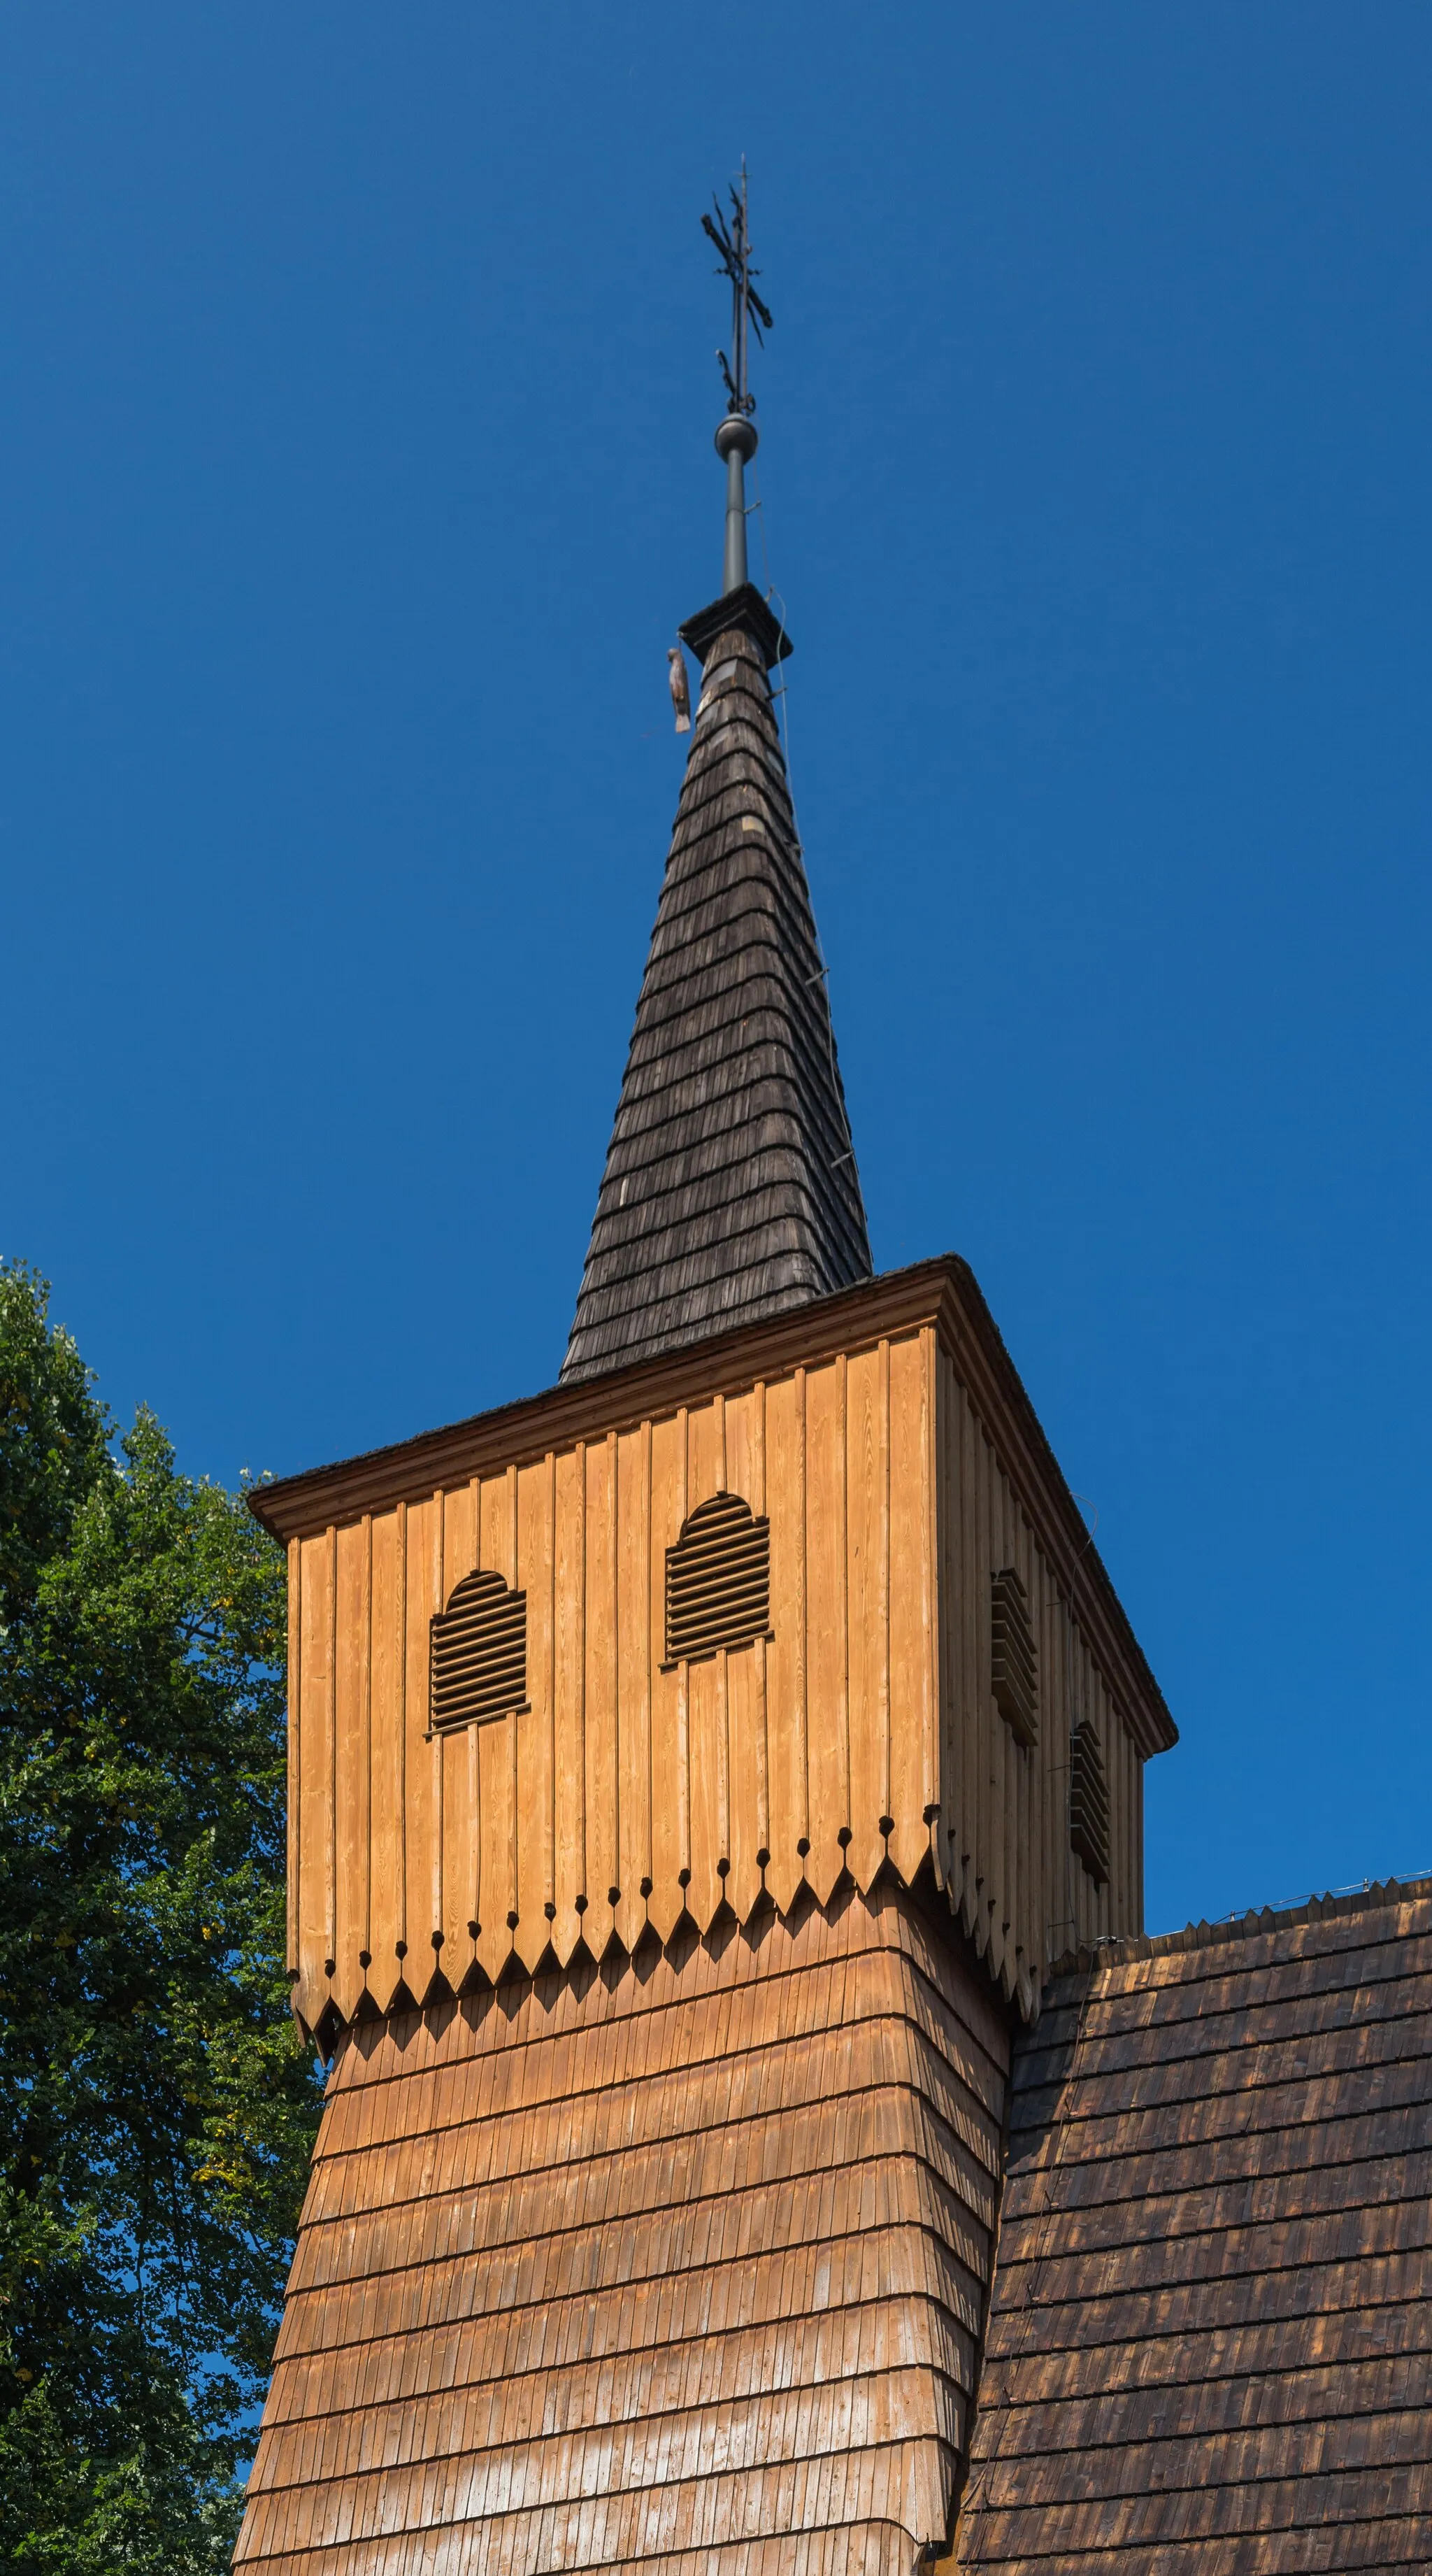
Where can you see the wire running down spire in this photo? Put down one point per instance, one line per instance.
(736, 438)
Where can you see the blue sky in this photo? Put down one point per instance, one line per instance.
(358, 397)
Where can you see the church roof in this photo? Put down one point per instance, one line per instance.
(1209, 2340)
(730, 1191)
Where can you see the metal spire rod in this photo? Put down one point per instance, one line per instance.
(736, 436)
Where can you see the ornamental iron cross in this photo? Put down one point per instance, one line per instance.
(733, 240)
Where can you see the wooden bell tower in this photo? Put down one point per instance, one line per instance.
(695, 1772)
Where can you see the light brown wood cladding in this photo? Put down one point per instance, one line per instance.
(897, 1481)
(1002, 1830)
(679, 2267)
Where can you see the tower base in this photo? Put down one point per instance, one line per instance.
(675, 2263)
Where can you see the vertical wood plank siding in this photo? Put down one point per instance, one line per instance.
(624, 1793)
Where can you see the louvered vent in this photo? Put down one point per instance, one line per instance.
(1013, 1668)
(718, 1581)
(479, 1653)
(1089, 1803)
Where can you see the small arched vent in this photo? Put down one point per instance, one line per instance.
(1014, 1671)
(1089, 1803)
(479, 1653)
(718, 1581)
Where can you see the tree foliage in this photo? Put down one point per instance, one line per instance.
(156, 2108)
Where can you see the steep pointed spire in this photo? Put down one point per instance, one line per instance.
(730, 1190)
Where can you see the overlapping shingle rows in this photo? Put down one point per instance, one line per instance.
(730, 1190)
(673, 2270)
(1210, 2340)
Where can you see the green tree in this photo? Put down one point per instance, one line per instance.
(156, 2107)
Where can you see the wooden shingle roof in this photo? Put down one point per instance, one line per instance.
(730, 1191)
(1210, 2339)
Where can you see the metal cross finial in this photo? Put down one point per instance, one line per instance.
(736, 437)
(733, 240)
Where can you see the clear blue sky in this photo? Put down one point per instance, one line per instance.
(356, 422)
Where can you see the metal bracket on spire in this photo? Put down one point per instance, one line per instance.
(736, 437)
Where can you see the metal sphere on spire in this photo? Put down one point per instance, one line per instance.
(736, 437)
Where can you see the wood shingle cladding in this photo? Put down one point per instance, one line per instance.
(673, 2266)
(694, 1772)
(730, 1190)
(1210, 2336)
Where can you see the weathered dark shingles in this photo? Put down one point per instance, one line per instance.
(1210, 2335)
(730, 1190)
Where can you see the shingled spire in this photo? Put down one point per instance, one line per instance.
(730, 1188)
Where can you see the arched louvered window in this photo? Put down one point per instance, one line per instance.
(718, 1581)
(1014, 1672)
(1089, 1802)
(479, 1653)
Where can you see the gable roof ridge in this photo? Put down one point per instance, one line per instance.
(1373, 1896)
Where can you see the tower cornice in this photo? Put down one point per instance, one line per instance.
(743, 608)
(943, 1293)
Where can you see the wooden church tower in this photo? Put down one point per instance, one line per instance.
(695, 1772)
